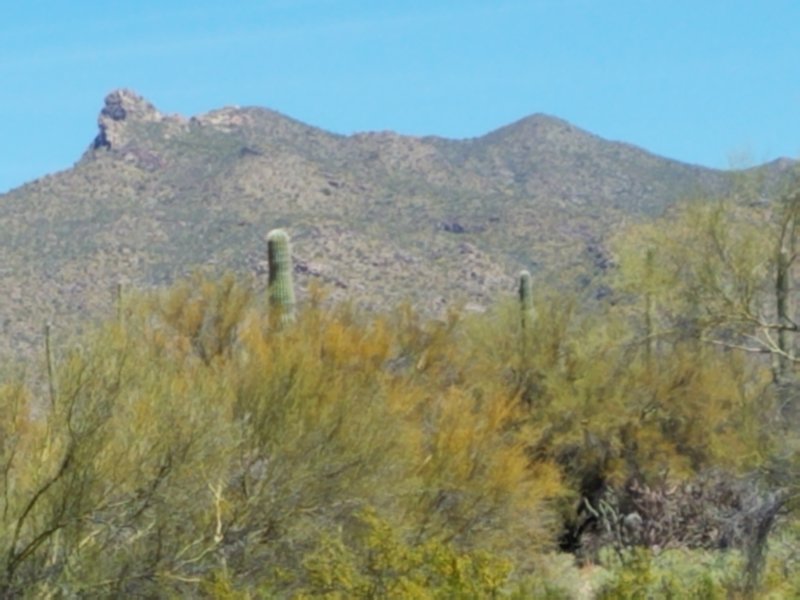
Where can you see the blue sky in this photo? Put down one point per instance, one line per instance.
(703, 81)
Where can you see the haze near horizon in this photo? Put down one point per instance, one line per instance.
(715, 84)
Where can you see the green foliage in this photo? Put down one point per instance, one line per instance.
(604, 413)
(202, 314)
(192, 448)
(375, 562)
(723, 276)
(674, 574)
(781, 577)
(706, 268)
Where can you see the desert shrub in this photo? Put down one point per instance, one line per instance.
(712, 511)
(672, 575)
(477, 481)
(610, 411)
(375, 562)
(201, 313)
(116, 489)
(341, 423)
(192, 448)
(781, 576)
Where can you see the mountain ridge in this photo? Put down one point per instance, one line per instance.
(138, 107)
(379, 216)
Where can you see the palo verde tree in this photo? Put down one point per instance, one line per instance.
(724, 275)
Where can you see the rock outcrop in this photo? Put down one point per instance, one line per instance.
(121, 107)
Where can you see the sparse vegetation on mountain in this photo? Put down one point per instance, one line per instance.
(157, 196)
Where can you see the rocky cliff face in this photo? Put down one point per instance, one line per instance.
(121, 107)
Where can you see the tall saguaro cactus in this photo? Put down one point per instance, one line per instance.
(525, 300)
(527, 377)
(280, 288)
(51, 376)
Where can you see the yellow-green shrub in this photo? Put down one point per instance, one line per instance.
(191, 447)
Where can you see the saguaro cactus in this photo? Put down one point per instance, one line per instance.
(281, 289)
(525, 300)
(526, 375)
(51, 376)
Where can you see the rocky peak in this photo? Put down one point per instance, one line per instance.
(121, 107)
(120, 104)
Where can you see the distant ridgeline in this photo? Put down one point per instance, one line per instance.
(377, 217)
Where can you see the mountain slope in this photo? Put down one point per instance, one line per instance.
(379, 216)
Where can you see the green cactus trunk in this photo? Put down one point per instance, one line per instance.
(281, 288)
(525, 300)
(51, 376)
(527, 377)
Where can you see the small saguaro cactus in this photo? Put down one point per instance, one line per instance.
(51, 377)
(280, 287)
(527, 376)
(525, 299)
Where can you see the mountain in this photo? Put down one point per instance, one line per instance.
(380, 217)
